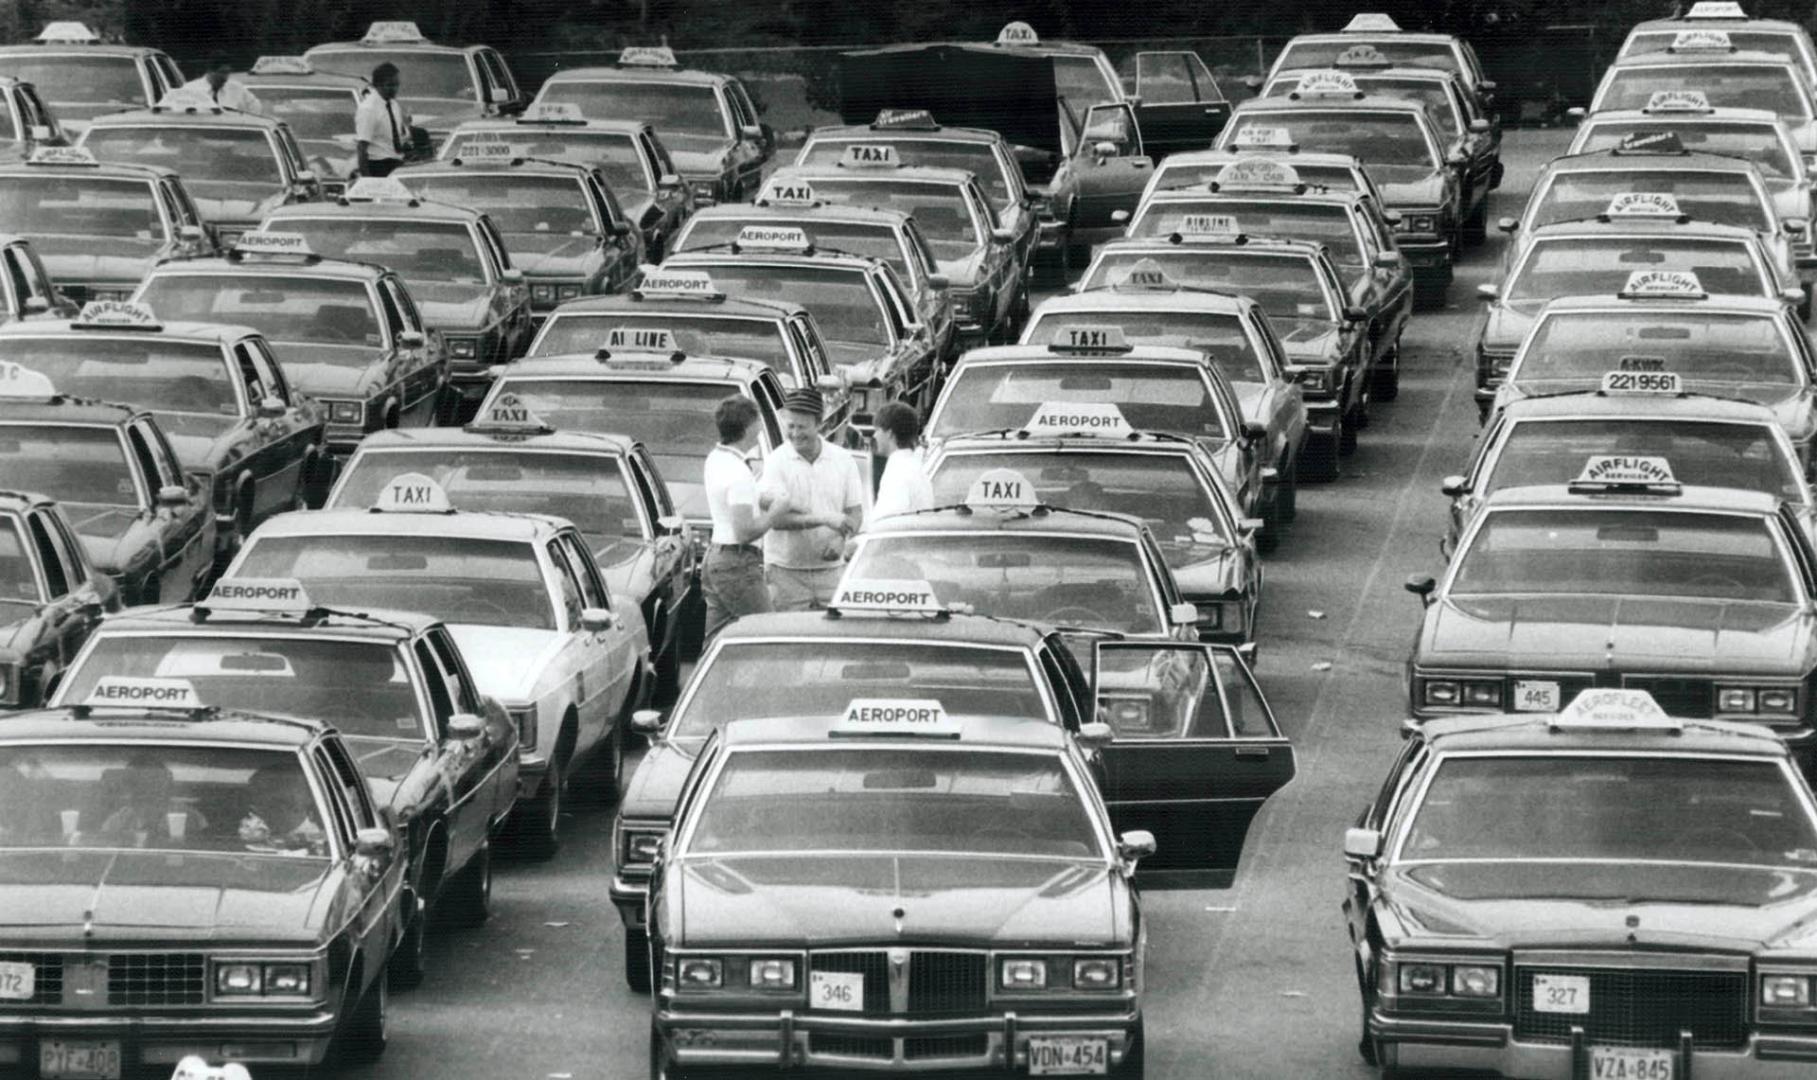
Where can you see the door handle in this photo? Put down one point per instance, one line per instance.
(1257, 752)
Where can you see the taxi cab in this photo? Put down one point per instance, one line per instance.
(630, 158)
(981, 260)
(51, 599)
(1403, 48)
(199, 879)
(1624, 577)
(79, 77)
(98, 227)
(1744, 32)
(442, 85)
(558, 224)
(705, 118)
(1613, 885)
(509, 459)
(318, 106)
(141, 519)
(25, 120)
(1665, 325)
(439, 757)
(1234, 332)
(1708, 62)
(347, 334)
(455, 263)
(236, 167)
(1711, 442)
(216, 391)
(26, 290)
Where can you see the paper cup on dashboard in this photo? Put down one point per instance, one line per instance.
(177, 821)
(72, 820)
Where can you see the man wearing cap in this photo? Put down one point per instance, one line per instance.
(381, 125)
(218, 86)
(805, 549)
(731, 576)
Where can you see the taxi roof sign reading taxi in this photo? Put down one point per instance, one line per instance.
(869, 156)
(912, 717)
(1018, 33)
(1079, 418)
(1257, 173)
(67, 32)
(273, 243)
(1372, 22)
(1089, 339)
(393, 32)
(1680, 284)
(508, 412)
(774, 238)
(647, 56)
(1678, 101)
(282, 595)
(1001, 490)
(117, 314)
(553, 112)
(1612, 709)
(891, 595)
(1627, 470)
(1664, 383)
(1362, 56)
(1716, 9)
(781, 192)
(23, 384)
(695, 284)
(1702, 41)
(62, 155)
(379, 189)
(1644, 204)
(1254, 135)
(282, 65)
(905, 120)
(1327, 84)
(642, 339)
(1148, 274)
(413, 493)
(125, 691)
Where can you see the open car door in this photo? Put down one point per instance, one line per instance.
(1112, 166)
(1182, 107)
(1196, 754)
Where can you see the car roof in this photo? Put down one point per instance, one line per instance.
(1702, 22)
(1731, 114)
(923, 174)
(1367, 36)
(1117, 298)
(285, 266)
(955, 627)
(543, 442)
(1291, 157)
(1652, 227)
(179, 620)
(1702, 58)
(215, 333)
(1362, 103)
(936, 134)
(1014, 442)
(389, 46)
(17, 502)
(416, 210)
(490, 124)
(1467, 734)
(135, 725)
(67, 411)
(731, 306)
(1009, 732)
(1044, 354)
(112, 170)
(1615, 159)
(841, 212)
(1592, 404)
(1312, 193)
(1053, 521)
(1691, 498)
(1252, 245)
(185, 116)
(461, 524)
(304, 80)
(838, 259)
(715, 369)
(636, 73)
(1726, 304)
(79, 48)
(458, 166)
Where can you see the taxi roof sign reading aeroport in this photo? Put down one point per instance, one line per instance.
(280, 595)
(1079, 418)
(905, 120)
(914, 717)
(1611, 709)
(1001, 491)
(693, 284)
(784, 238)
(413, 493)
(123, 691)
(23, 384)
(1716, 9)
(293, 244)
(889, 595)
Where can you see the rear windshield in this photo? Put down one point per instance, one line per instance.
(1699, 345)
(310, 309)
(1722, 198)
(153, 374)
(992, 397)
(1287, 286)
(1600, 266)
(589, 488)
(1759, 143)
(79, 465)
(750, 339)
(1322, 223)
(940, 210)
(418, 251)
(311, 112)
(613, 154)
(63, 79)
(879, 241)
(977, 158)
(1372, 138)
(423, 76)
(124, 211)
(516, 204)
(1744, 456)
(1163, 490)
(1402, 53)
(683, 113)
(1219, 335)
(201, 154)
(1738, 86)
(841, 301)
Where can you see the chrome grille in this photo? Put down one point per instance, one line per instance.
(47, 988)
(157, 979)
(874, 966)
(923, 1047)
(1641, 1008)
(946, 982)
(1690, 698)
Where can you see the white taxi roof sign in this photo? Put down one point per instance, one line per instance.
(869, 156)
(1716, 9)
(642, 339)
(1079, 418)
(1327, 83)
(1364, 55)
(1266, 173)
(1624, 383)
(1627, 470)
(1702, 40)
(68, 31)
(1254, 135)
(413, 493)
(1678, 101)
(285, 595)
(905, 120)
(1088, 338)
(554, 112)
(1666, 283)
(1018, 33)
(508, 412)
(282, 65)
(774, 238)
(1199, 225)
(129, 691)
(1372, 22)
(913, 717)
(1644, 204)
(393, 32)
(23, 384)
(1001, 490)
(647, 56)
(379, 189)
(117, 314)
(880, 594)
(61, 155)
(273, 243)
(780, 192)
(658, 281)
(1612, 709)
(1148, 274)
(485, 147)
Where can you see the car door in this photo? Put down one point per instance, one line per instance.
(1111, 166)
(586, 657)
(625, 646)
(67, 620)
(1361, 873)
(38, 295)
(1196, 753)
(668, 547)
(497, 783)
(378, 926)
(283, 442)
(419, 372)
(185, 534)
(461, 764)
(1181, 106)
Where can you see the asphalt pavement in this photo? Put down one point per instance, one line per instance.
(1252, 981)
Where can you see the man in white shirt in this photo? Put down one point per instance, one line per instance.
(905, 487)
(731, 575)
(381, 125)
(805, 551)
(219, 86)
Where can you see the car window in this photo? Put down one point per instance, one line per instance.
(460, 683)
(66, 541)
(251, 380)
(568, 583)
(593, 591)
(339, 810)
(48, 557)
(148, 464)
(435, 679)
(270, 370)
(1164, 79)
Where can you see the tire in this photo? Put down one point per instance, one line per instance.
(1346, 442)
(693, 631)
(1134, 1060)
(1290, 490)
(364, 1032)
(637, 961)
(1387, 376)
(468, 902)
(1319, 460)
(607, 770)
(539, 829)
(410, 962)
(1476, 226)
(668, 673)
(1273, 523)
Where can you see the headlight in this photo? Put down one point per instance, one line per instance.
(705, 190)
(1442, 692)
(1785, 991)
(700, 973)
(1418, 221)
(772, 973)
(1317, 379)
(525, 719)
(1482, 692)
(346, 412)
(1474, 984)
(1023, 973)
(9, 684)
(1772, 702)
(542, 294)
(1735, 700)
(1476, 981)
(1097, 973)
(1422, 978)
(287, 978)
(462, 348)
(639, 846)
(567, 291)
(239, 979)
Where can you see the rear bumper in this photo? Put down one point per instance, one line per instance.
(1467, 1045)
(1434, 254)
(276, 1040)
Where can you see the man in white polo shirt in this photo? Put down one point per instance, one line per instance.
(731, 575)
(380, 124)
(804, 552)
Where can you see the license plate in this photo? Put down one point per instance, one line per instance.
(1535, 696)
(18, 982)
(1068, 1056)
(839, 990)
(60, 1059)
(1621, 1063)
(1561, 994)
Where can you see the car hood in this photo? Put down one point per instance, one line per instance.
(323, 370)
(1204, 571)
(81, 259)
(963, 273)
(657, 782)
(198, 896)
(1508, 322)
(506, 661)
(330, 159)
(1554, 904)
(1308, 339)
(829, 900)
(552, 254)
(196, 437)
(1409, 185)
(234, 202)
(1574, 632)
(969, 86)
(450, 305)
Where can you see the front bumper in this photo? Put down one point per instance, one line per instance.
(628, 895)
(156, 1040)
(1455, 1045)
(788, 1039)
(342, 439)
(1425, 253)
(531, 769)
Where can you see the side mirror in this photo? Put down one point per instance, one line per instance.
(1487, 86)
(272, 408)
(411, 339)
(751, 131)
(829, 383)
(372, 843)
(1488, 290)
(668, 180)
(35, 305)
(1479, 126)
(1355, 314)
(305, 176)
(1253, 431)
(595, 620)
(1507, 224)
(1387, 260)
(465, 727)
(1362, 843)
(1456, 159)
(193, 233)
(672, 523)
(646, 721)
(1119, 217)
(1002, 235)
(173, 496)
(1135, 845)
(1254, 82)
(1792, 295)
(1421, 585)
(1392, 217)
(1096, 735)
(511, 275)
(1453, 486)
(40, 132)
(1250, 525)
(621, 228)
(939, 282)
(1183, 614)
(1795, 225)
(1577, 112)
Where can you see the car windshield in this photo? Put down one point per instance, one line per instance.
(684, 113)
(80, 465)
(417, 250)
(1727, 86)
(1705, 453)
(1173, 177)
(1219, 335)
(152, 372)
(64, 79)
(1324, 52)
(869, 799)
(707, 335)
(1758, 142)
(1578, 266)
(1611, 808)
(840, 300)
(977, 158)
(157, 796)
(300, 309)
(1083, 83)
(1287, 286)
(1097, 583)
(613, 154)
(123, 211)
(675, 420)
(879, 241)
(1372, 138)
(1163, 490)
(1153, 397)
(516, 204)
(589, 488)
(940, 209)
(423, 76)
(203, 154)
(1723, 198)
(1322, 223)
(312, 112)
(1700, 345)
(456, 579)
(18, 583)
(820, 678)
(362, 687)
(1590, 551)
